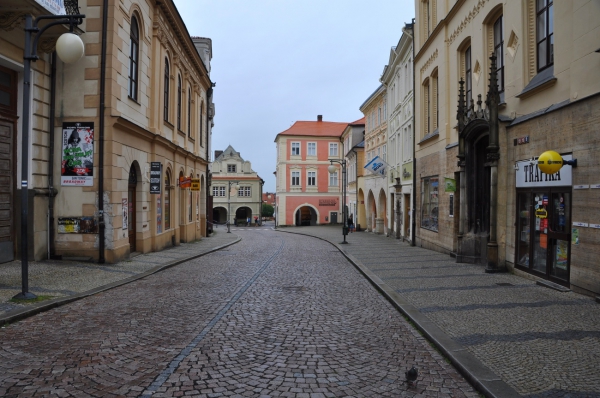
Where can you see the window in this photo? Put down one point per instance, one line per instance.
(436, 101)
(179, 94)
(245, 192)
(231, 168)
(333, 179)
(384, 153)
(219, 191)
(498, 44)
(468, 77)
(167, 200)
(427, 107)
(295, 149)
(295, 178)
(429, 203)
(166, 93)
(189, 113)
(312, 178)
(201, 138)
(134, 44)
(333, 149)
(311, 149)
(545, 34)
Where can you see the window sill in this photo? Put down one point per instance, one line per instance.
(168, 124)
(540, 82)
(134, 100)
(429, 136)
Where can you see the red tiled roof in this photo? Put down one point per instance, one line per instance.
(359, 121)
(319, 129)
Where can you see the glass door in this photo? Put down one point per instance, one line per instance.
(543, 234)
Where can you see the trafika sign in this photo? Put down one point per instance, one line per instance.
(529, 175)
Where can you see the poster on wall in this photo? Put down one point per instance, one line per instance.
(158, 215)
(125, 213)
(77, 225)
(77, 166)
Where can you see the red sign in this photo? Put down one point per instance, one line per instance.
(185, 182)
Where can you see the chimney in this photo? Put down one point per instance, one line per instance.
(218, 153)
(319, 118)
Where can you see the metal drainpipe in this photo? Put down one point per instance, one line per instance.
(51, 233)
(209, 93)
(413, 226)
(356, 185)
(101, 223)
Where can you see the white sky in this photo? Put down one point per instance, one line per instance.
(278, 61)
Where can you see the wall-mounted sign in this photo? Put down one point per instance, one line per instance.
(77, 167)
(155, 177)
(521, 140)
(327, 202)
(55, 7)
(195, 184)
(529, 175)
(185, 182)
(449, 184)
(77, 225)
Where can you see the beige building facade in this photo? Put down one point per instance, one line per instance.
(480, 194)
(153, 131)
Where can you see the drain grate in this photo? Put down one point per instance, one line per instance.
(504, 284)
(293, 288)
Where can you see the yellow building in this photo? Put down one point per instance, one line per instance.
(129, 133)
(480, 194)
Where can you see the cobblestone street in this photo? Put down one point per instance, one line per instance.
(273, 315)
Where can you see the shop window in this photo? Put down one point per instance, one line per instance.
(167, 213)
(429, 203)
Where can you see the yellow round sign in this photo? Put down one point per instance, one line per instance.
(550, 162)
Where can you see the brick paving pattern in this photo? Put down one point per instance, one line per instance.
(273, 315)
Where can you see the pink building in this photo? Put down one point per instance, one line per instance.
(306, 193)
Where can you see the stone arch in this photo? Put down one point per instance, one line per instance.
(311, 210)
(371, 211)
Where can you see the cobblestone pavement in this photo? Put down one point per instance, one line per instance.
(264, 317)
(71, 279)
(539, 341)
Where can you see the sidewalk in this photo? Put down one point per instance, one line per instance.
(68, 280)
(506, 334)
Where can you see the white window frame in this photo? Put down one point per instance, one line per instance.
(311, 149)
(232, 168)
(219, 191)
(311, 175)
(295, 178)
(295, 148)
(245, 192)
(333, 149)
(333, 179)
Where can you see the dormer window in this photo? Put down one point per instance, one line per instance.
(231, 168)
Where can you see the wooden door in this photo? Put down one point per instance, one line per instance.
(7, 172)
(131, 202)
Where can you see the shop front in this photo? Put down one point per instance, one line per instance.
(543, 238)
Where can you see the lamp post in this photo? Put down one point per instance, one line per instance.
(237, 186)
(333, 169)
(260, 210)
(69, 48)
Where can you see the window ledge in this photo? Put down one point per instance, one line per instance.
(429, 136)
(168, 124)
(540, 82)
(134, 100)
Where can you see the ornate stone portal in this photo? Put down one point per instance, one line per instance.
(478, 155)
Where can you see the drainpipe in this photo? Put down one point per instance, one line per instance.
(209, 94)
(101, 223)
(51, 194)
(356, 189)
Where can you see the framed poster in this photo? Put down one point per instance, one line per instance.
(77, 166)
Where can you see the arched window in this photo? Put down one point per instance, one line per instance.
(468, 76)
(499, 52)
(134, 45)
(166, 84)
(179, 94)
(189, 113)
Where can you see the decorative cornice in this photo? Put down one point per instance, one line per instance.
(429, 61)
(10, 20)
(472, 14)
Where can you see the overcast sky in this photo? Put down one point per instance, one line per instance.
(279, 61)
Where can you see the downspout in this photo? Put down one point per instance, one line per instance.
(356, 189)
(101, 223)
(413, 226)
(51, 192)
(209, 219)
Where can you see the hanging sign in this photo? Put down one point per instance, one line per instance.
(55, 7)
(377, 166)
(155, 177)
(77, 166)
(195, 185)
(185, 182)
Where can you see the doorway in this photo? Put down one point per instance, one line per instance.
(131, 205)
(543, 239)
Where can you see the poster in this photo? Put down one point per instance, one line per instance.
(125, 213)
(77, 225)
(158, 215)
(77, 166)
(574, 236)
(562, 253)
(450, 184)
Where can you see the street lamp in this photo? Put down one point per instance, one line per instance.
(237, 187)
(333, 169)
(260, 210)
(69, 48)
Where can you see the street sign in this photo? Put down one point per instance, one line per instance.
(195, 184)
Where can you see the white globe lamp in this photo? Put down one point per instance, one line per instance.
(69, 48)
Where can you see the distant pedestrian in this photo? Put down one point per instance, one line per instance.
(248, 221)
(256, 221)
(351, 223)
